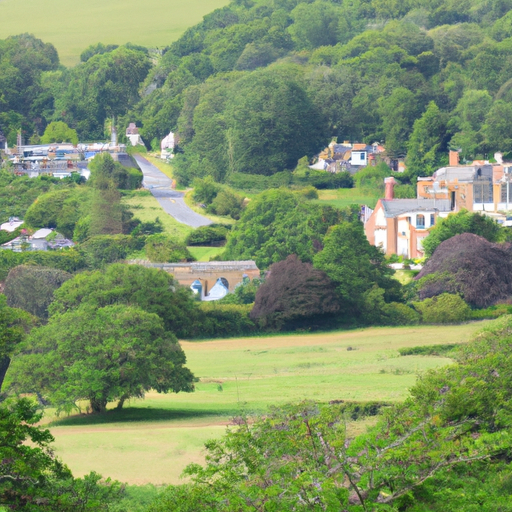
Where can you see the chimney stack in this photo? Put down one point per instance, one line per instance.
(390, 188)
(454, 158)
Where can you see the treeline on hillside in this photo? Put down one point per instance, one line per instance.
(256, 86)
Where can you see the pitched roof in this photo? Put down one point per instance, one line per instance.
(463, 173)
(42, 233)
(395, 207)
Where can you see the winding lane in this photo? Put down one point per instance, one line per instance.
(170, 200)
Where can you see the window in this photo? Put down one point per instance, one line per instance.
(432, 219)
(504, 192)
(420, 221)
(482, 190)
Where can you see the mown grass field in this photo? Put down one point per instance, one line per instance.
(152, 440)
(343, 197)
(73, 25)
(205, 253)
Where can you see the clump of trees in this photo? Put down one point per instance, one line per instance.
(469, 265)
(110, 336)
(278, 223)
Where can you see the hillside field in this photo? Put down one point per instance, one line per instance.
(72, 25)
(152, 440)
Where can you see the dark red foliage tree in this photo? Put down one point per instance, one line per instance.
(294, 293)
(468, 264)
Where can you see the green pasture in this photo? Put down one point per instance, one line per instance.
(205, 253)
(72, 25)
(152, 440)
(343, 197)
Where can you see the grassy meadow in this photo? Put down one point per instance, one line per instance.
(72, 25)
(343, 197)
(152, 440)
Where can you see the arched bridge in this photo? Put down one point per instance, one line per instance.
(208, 273)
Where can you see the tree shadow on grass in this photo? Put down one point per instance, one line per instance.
(140, 414)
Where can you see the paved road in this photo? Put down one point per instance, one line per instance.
(171, 200)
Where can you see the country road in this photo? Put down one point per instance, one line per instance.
(171, 200)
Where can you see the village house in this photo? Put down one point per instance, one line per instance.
(167, 146)
(42, 240)
(347, 157)
(479, 186)
(399, 226)
(132, 134)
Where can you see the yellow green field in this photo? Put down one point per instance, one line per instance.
(73, 25)
(342, 197)
(152, 440)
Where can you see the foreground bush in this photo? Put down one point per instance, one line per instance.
(33, 479)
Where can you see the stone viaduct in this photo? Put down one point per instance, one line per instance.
(232, 272)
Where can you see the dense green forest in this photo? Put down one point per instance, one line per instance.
(258, 85)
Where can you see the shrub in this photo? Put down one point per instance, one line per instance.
(244, 293)
(227, 202)
(69, 260)
(102, 250)
(205, 190)
(133, 179)
(57, 209)
(162, 249)
(468, 264)
(223, 320)
(212, 235)
(396, 313)
(428, 350)
(443, 309)
(258, 183)
(492, 312)
(323, 180)
(309, 192)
